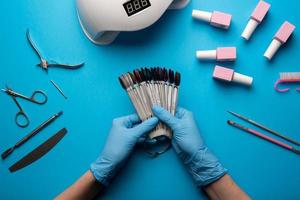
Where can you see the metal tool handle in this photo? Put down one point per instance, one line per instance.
(65, 66)
(34, 98)
(38, 129)
(19, 115)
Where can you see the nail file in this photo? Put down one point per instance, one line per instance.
(30, 135)
(39, 152)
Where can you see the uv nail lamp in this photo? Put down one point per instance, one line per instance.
(103, 20)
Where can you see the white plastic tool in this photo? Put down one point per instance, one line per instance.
(103, 20)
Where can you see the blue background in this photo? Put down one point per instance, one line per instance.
(263, 170)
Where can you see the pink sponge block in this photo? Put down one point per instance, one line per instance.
(260, 11)
(226, 53)
(220, 19)
(285, 32)
(223, 73)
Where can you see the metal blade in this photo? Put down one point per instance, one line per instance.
(66, 66)
(39, 152)
(36, 50)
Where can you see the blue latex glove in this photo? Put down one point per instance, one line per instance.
(121, 140)
(188, 144)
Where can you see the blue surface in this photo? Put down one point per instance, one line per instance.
(262, 169)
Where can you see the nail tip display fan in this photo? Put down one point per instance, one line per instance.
(147, 87)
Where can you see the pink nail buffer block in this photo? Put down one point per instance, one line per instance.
(228, 75)
(220, 19)
(260, 11)
(284, 32)
(226, 53)
(223, 73)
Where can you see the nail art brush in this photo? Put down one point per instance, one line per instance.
(30, 135)
(265, 137)
(264, 128)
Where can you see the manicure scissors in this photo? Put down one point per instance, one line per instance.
(44, 64)
(33, 98)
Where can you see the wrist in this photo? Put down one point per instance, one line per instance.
(204, 167)
(103, 170)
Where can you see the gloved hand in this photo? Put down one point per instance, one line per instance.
(188, 144)
(120, 143)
